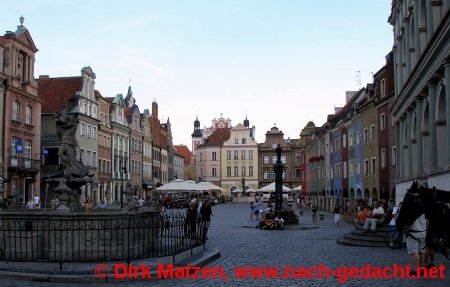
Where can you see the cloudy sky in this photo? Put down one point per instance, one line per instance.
(281, 63)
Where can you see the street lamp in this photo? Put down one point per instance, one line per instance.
(278, 168)
(124, 171)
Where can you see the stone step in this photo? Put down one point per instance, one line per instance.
(383, 227)
(361, 237)
(347, 241)
(379, 233)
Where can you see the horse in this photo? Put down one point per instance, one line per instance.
(434, 203)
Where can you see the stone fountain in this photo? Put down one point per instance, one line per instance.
(70, 233)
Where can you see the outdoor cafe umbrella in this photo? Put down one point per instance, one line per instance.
(271, 188)
(179, 185)
(208, 186)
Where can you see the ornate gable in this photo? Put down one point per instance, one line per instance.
(25, 38)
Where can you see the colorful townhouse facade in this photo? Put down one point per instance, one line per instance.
(421, 110)
(21, 109)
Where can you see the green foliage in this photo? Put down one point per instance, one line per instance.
(3, 203)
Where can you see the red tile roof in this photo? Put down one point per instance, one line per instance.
(217, 137)
(185, 152)
(98, 94)
(57, 92)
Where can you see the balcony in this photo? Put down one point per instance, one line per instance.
(22, 164)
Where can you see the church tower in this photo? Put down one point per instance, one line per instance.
(196, 135)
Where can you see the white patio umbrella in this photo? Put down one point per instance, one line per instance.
(179, 185)
(271, 188)
(298, 188)
(208, 186)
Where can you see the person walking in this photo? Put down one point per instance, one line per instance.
(314, 215)
(36, 201)
(206, 213)
(337, 211)
(415, 242)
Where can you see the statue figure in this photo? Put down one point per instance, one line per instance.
(72, 174)
(130, 202)
(17, 200)
(66, 128)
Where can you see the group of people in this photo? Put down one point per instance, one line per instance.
(415, 238)
(267, 218)
(34, 202)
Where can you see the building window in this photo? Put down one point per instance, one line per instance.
(297, 156)
(383, 157)
(283, 159)
(94, 159)
(351, 167)
(82, 129)
(243, 171)
(214, 171)
(250, 155)
(28, 115)
(16, 111)
(366, 135)
(228, 154)
(228, 171)
(236, 141)
(366, 167)
(242, 154)
(266, 159)
(382, 122)
(214, 156)
(273, 175)
(236, 154)
(297, 173)
(236, 170)
(274, 159)
(266, 174)
(244, 141)
(344, 140)
(201, 157)
(373, 166)
(250, 170)
(372, 132)
(350, 140)
(358, 167)
(284, 174)
(94, 132)
(382, 88)
(394, 155)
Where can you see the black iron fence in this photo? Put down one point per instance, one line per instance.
(103, 236)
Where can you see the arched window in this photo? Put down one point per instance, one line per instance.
(16, 111)
(28, 115)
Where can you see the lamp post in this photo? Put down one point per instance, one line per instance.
(124, 171)
(278, 168)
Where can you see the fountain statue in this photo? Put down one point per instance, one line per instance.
(72, 174)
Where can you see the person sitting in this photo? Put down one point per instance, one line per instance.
(378, 216)
(278, 223)
(101, 205)
(30, 204)
(363, 214)
(267, 222)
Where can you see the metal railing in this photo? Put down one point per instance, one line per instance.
(50, 237)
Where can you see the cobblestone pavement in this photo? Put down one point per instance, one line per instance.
(241, 246)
